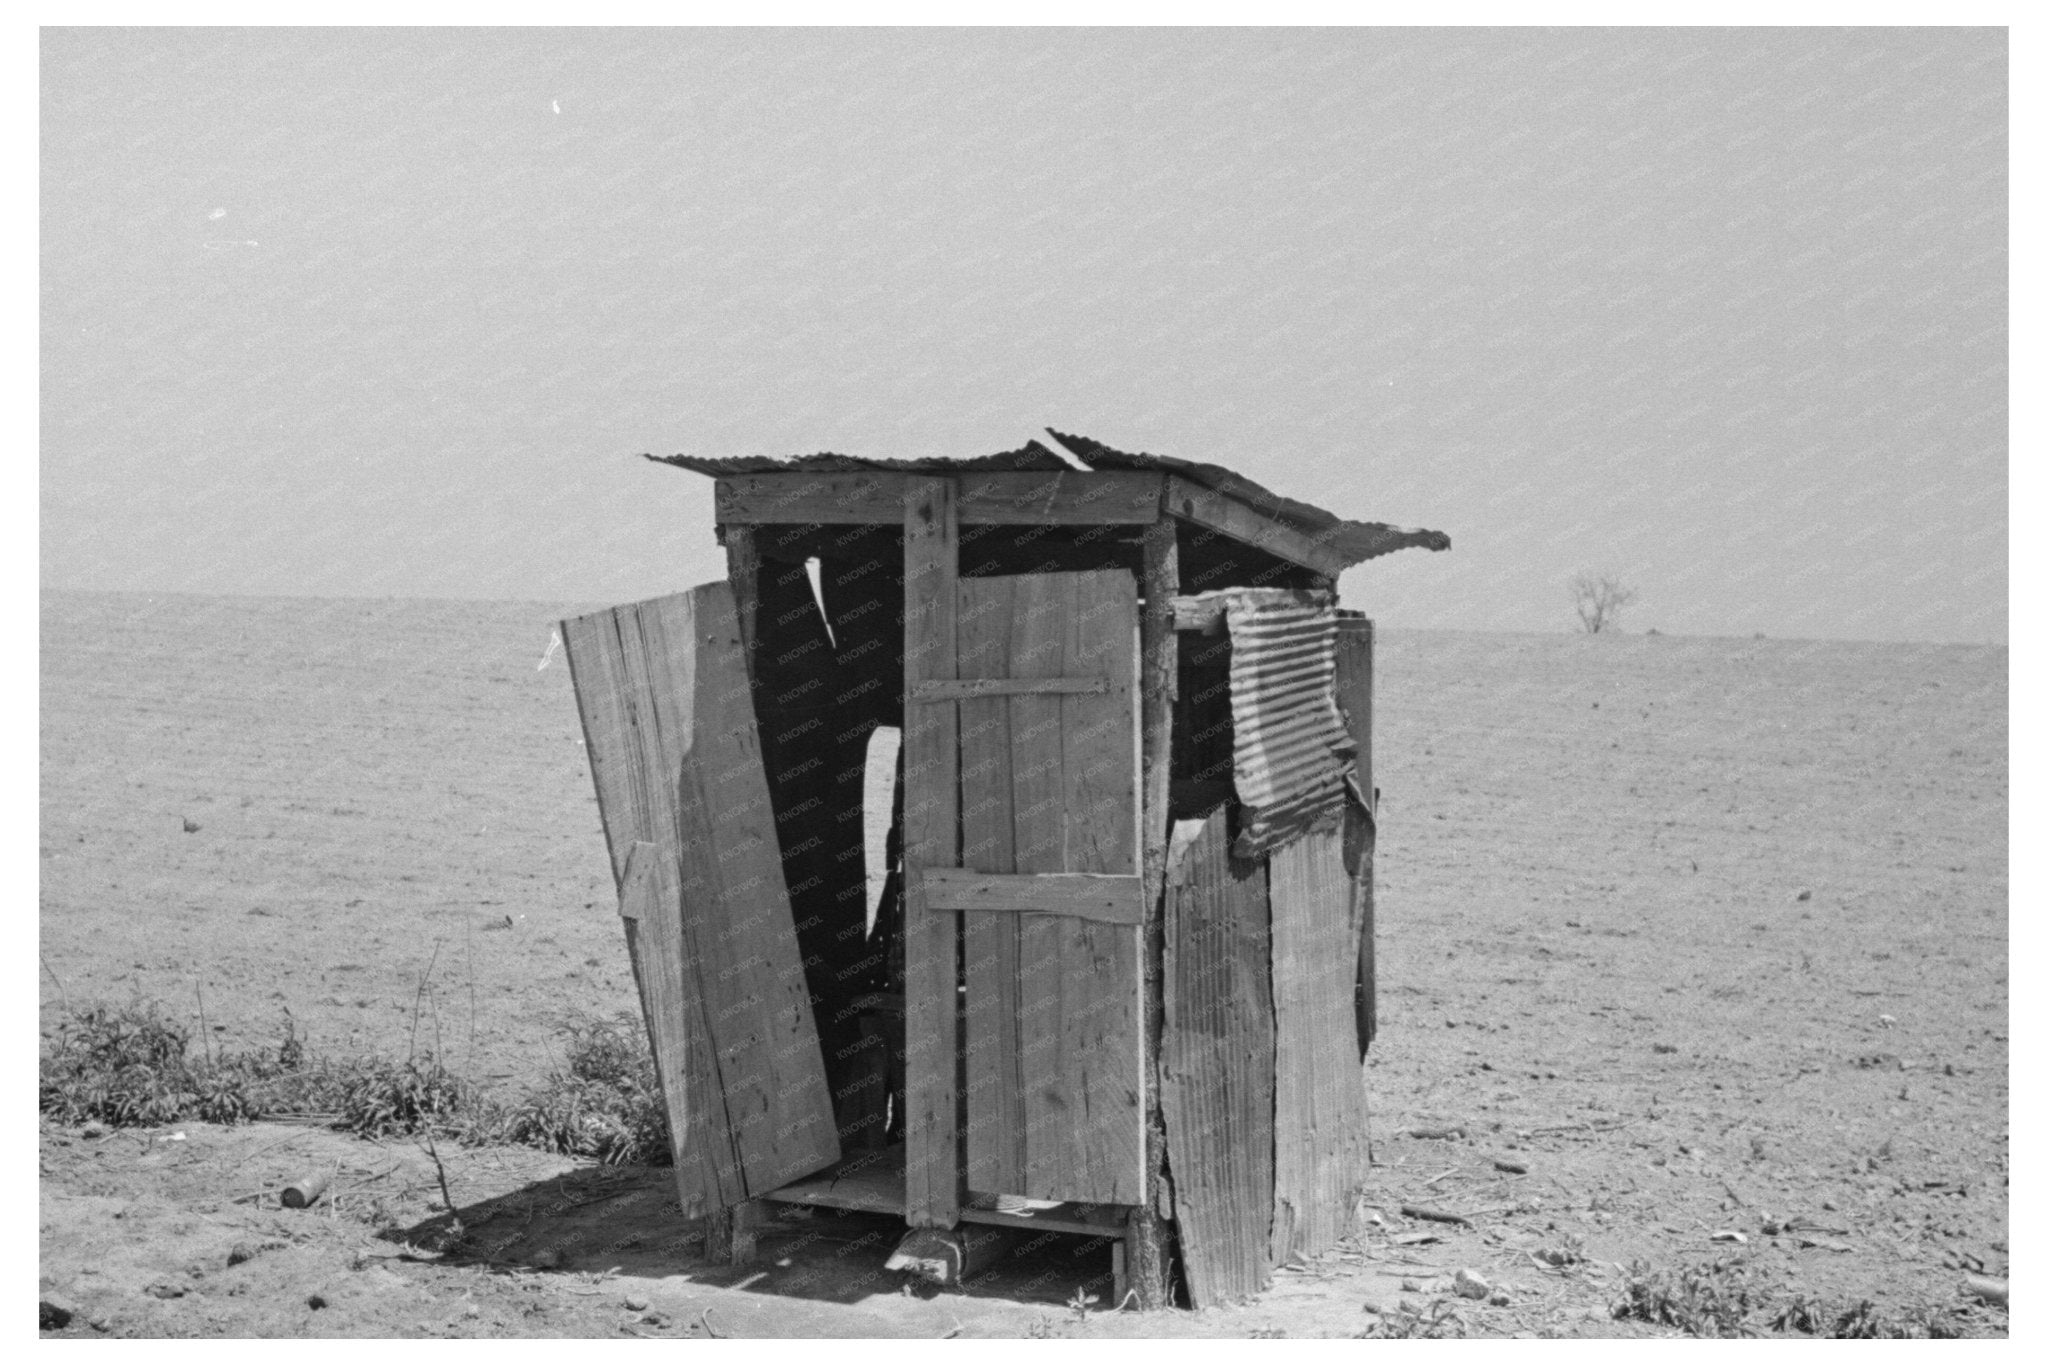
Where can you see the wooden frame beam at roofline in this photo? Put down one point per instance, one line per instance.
(1240, 521)
(875, 497)
(1066, 498)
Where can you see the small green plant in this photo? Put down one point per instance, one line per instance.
(1709, 1300)
(1407, 1323)
(132, 1066)
(1723, 1299)
(1861, 1321)
(385, 1099)
(605, 1102)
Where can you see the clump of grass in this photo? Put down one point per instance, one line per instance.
(1722, 1298)
(604, 1102)
(124, 1066)
(395, 1099)
(132, 1066)
(1863, 1321)
(1709, 1300)
(1439, 1322)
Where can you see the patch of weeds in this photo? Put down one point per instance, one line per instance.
(392, 1099)
(605, 1102)
(1407, 1323)
(132, 1066)
(1862, 1321)
(1723, 1299)
(1708, 1300)
(120, 1065)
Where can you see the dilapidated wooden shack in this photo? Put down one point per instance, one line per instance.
(1118, 980)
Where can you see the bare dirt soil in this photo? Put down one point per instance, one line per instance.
(1708, 936)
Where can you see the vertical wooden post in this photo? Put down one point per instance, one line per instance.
(931, 838)
(1354, 697)
(1151, 1242)
(743, 571)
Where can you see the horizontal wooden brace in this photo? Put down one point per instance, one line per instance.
(1008, 498)
(1204, 614)
(967, 689)
(1110, 898)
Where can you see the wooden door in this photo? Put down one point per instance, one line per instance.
(668, 720)
(1049, 885)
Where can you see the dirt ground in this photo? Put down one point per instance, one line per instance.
(1709, 935)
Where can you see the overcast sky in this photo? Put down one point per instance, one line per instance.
(394, 313)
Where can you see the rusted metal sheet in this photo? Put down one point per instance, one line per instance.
(1292, 749)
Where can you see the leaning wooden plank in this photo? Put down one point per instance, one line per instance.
(669, 725)
(1106, 898)
(967, 689)
(636, 803)
(1216, 1063)
(736, 912)
(700, 1142)
(1112, 497)
(931, 816)
(1319, 1152)
(1205, 507)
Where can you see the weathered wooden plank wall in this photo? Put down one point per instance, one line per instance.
(1054, 1025)
(1319, 1137)
(1216, 1062)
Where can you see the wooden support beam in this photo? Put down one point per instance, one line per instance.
(1150, 1248)
(1354, 698)
(968, 689)
(1203, 615)
(1103, 896)
(743, 571)
(1240, 521)
(931, 839)
(1109, 498)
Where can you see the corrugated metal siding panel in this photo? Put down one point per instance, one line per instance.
(1292, 747)
(1030, 458)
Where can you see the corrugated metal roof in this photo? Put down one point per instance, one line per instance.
(1354, 541)
(1293, 749)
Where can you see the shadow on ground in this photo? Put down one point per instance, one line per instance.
(625, 1220)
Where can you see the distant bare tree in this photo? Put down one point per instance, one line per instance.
(1599, 599)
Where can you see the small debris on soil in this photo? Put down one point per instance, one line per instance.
(55, 1312)
(635, 1304)
(1434, 1215)
(1469, 1284)
(1511, 1167)
(316, 1301)
(1804, 895)
(1984, 1288)
(165, 1291)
